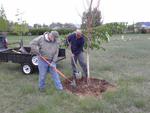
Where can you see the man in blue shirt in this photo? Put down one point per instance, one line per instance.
(76, 41)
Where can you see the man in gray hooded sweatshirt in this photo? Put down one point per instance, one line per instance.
(47, 46)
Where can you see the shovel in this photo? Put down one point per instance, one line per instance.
(78, 74)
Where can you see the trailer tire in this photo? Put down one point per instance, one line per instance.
(34, 60)
(27, 68)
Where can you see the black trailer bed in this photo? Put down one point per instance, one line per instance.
(27, 61)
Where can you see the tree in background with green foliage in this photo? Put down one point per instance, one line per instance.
(3, 20)
(20, 27)
(117, 27)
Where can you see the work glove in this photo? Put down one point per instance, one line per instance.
(72, 55)
(35, 52)
(53, 65)
(38, 54)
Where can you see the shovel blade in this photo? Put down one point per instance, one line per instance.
(73, 83)
(78, 75)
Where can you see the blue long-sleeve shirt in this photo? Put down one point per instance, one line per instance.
(76, 44)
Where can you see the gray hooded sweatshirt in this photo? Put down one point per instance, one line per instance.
(46, 48)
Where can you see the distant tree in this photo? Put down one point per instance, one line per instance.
(63, 26)
(96, 18)
(117, 27)
(17, 29)
(45, 26)
(25, 28)
(10, 26)
(37, 26)
(56, 25)
(20, 27)
(3, 20)
(69, 26)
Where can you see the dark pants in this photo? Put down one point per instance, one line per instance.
(82, 63)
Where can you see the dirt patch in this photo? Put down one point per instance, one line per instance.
(92, 87)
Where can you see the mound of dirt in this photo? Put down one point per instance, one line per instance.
(92, 87)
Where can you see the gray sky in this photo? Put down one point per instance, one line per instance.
(68, 11)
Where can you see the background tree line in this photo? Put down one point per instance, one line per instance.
(23, 28)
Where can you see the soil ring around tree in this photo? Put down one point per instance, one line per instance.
(92, 87)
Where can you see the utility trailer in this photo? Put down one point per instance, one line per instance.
(29, 62)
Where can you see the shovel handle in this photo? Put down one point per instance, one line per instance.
(55, 68)
(62, 74)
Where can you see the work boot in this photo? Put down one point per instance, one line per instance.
(73, 83)
(74, 79)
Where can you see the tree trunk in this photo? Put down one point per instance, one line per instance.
(88, 68)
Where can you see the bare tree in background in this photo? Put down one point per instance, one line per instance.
(96, 21)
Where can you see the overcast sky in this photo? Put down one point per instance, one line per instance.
(68, 11)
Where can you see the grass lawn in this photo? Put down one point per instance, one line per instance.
(125, 63)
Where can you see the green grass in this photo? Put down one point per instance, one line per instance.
(125, 63)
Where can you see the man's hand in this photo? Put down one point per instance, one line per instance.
(35, 52)
(72, 55)
(53, 65)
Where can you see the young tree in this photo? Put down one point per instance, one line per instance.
(95, 35)
(25, 28)
(20, 27)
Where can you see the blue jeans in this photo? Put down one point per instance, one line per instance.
(43, 69)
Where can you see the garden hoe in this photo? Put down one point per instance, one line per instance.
(73, 83)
